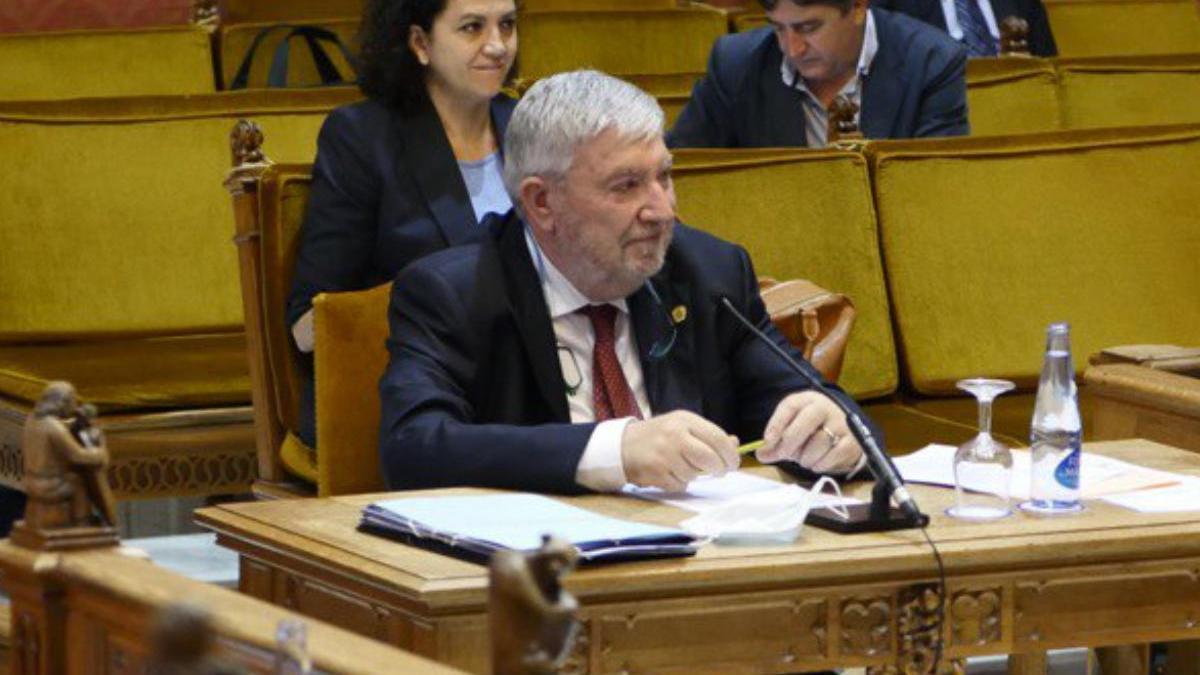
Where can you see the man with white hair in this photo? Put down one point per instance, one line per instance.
(580, 347)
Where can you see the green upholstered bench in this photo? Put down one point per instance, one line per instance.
(810, 214)
(594, 5)
(1096, 228)
(801, 214)
(122, 279)
(651, 41)
(1130, 90)
(293, 11)
(749, 21)
(1124, 27)
(671, 90)
(1012, 96)
(132, 62)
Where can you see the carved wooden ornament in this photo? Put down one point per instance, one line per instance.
(245, 143)
(1014, 36)
(866, 626)
(975, 616)
(843, 121)
(533, 623)
(205, 13)
(69, 503)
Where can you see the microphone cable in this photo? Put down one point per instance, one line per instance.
(886, 464)
(940, 622)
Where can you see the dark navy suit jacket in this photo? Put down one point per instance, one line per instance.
(916, 87)
(386, 190)
(1041, 40)
(474, 395)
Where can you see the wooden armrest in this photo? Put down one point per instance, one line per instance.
(1131, 383)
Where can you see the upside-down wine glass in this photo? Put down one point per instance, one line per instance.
(983, 466)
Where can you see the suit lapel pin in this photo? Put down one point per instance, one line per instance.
(679, 314)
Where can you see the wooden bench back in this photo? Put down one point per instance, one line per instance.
(91, 612)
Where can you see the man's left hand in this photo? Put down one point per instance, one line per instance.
(807, 428)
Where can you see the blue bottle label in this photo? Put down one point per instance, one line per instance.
(1067, 471)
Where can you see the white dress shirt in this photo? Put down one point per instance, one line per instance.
(816, 117)
(600, 468)
(955, 30)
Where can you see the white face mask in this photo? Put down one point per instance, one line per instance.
(770, 517)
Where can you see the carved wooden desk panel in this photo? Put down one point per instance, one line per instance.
(1022, 585)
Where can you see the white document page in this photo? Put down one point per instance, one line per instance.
(1185, 496)
(708, 492)
(1099, 475)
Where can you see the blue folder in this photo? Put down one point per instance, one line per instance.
(475, 526)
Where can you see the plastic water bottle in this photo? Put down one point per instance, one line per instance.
(1055, 434)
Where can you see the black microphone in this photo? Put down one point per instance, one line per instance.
(881, 465)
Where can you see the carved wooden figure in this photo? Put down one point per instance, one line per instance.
(70, 504)
(1014, 36)
(245, 144)
(533, 623)
(843, 121)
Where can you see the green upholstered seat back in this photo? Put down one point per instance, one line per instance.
(801, 214)
(1097, 228)
(1012, 96)
(671, 90)
(350, 331)
(236, 40)
(116, 222)
(257, 11)
(588, 5)
(652, 42)
(1130, 91)
(77, 64)
(749, 21)
(1124, 27)
(133, 374)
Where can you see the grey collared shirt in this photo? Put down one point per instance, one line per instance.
(816, 116)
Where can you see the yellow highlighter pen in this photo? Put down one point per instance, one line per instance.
(750, 447)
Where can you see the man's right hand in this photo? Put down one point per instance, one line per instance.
(669, 450)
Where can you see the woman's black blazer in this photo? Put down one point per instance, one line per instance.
(386, 190)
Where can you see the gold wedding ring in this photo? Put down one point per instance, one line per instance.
(833, 438)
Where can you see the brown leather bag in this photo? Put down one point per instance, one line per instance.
(815, 320)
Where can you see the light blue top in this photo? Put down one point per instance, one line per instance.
(485, 186)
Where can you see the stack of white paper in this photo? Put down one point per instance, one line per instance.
(1138, 487)
(1184, 496)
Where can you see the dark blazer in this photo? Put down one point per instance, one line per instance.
(916, 87)
(386, 190)
(1041, 40)
(474, 395)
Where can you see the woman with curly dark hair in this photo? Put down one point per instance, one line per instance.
(414, 168)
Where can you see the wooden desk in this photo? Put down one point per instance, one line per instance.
(1132, 400)
(1018, 586)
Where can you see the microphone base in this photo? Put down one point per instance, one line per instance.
(862, 520)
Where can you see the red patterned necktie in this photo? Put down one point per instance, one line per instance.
(611, 395)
